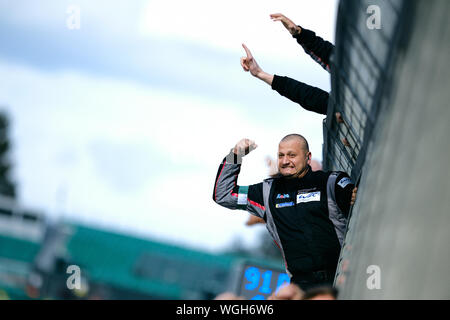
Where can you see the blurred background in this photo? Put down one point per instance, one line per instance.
(113, 120)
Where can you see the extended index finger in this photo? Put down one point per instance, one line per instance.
(247, 51)
(276, 15)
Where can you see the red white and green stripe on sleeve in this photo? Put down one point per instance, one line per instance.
(232, 196)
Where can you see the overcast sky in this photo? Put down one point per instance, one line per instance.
(123, 122)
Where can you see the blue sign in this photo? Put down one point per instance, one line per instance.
(258, 283)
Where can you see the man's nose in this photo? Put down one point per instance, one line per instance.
(285, 160)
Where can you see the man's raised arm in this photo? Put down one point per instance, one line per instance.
(319, 49)
(309, 97)
(228, 193)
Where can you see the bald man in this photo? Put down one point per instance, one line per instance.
(305, 212)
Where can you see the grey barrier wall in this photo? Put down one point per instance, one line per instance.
(391, 86)
(361, 69)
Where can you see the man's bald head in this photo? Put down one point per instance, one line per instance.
(293, 156)
(299, 137)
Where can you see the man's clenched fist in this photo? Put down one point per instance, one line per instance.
(244, 147)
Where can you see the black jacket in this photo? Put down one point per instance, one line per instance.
(309, 97)
(306, 217)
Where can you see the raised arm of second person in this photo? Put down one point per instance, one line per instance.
(309, 97)
(320, 50)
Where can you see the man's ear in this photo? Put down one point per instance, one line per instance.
(308, 156)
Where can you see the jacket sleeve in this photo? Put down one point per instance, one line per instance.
(309, 97)
(319, 49)
(232, 196)
(343, 190)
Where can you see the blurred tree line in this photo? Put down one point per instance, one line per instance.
(7, 187)
(264, 248)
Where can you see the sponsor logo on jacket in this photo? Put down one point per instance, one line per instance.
(308, 197)
(344, 182)
(285, 204)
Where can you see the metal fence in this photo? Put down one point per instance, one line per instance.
(361, 69)
(391, 88)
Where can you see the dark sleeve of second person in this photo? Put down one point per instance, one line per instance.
(320, 50)
(309, 97)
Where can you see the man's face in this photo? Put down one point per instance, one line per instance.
(292, 158)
